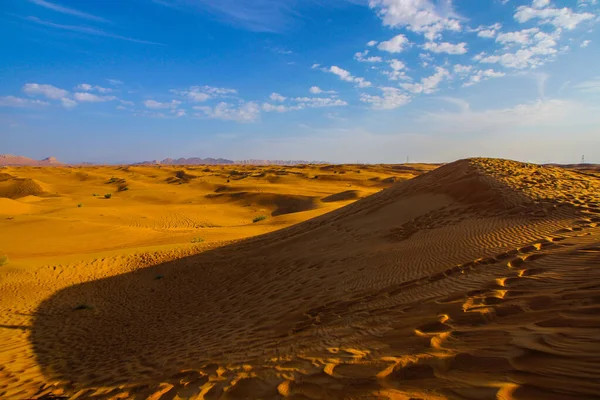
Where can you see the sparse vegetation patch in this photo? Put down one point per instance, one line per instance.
(259, 218)
(108, 195)
(3, 260)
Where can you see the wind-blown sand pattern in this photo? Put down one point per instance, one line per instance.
(478, 280)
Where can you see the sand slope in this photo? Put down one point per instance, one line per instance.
(478, 280)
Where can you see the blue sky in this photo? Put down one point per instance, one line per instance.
(336, 80)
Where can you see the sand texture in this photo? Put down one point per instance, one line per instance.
(478, 280)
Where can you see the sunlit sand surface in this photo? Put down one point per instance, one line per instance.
(478, 280)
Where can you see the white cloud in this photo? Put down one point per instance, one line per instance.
(157, 105)
(486, 33)
(444, 47)
(92, 98)
(428, 84)
(86, 87)
(246, 112)
(540, 3)
(391, 98)
(68, 103)
(585, 43)
(521, 37)
(539, 48)
(276, 108)
(12, 101)
(316, 102)
(489, 31)
(49, 91)
(318, 90)
(362, 57)
(127, 103)
(421, 16)
(346, 76)
(203, 93)
(483, 75)
(397, 72)
(395, 45)
(115, 82)
(462, 69)
(559, 17)
(277, 97)
(372, 43)
(300, 103)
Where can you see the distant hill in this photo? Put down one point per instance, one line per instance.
(12, 160)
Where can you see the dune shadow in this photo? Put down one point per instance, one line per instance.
(224, 305)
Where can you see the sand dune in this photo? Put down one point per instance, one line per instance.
(478, 280)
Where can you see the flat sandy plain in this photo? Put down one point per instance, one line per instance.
(477, 280)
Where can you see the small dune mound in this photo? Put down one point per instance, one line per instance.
(15, 188)
(181, 177)
(342, 196)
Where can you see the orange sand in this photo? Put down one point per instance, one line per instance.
(478, 280)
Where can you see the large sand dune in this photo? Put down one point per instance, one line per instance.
(478, 280)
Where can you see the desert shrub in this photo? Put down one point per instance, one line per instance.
(197, 240)
(108, 195)
(79, 205)
(259, 218)
(123, 187)
(95, 195)
(82, 306)
(157, 277)
(3, 260)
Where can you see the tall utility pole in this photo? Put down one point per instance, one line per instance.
(583, 159)
(407, 159)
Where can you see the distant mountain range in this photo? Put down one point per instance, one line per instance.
(223, 161)
(11, 160)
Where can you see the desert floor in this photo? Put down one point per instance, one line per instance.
(477, 280)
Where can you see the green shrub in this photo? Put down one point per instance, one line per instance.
(107, 195)
(197, 240)
(95, 195)
(79, 205)
(3, 260)
(259, 218)
(82, 306)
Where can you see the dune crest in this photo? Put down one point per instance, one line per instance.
(476, 280)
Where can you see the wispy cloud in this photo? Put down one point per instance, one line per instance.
(12, 101)
(67, 10)
(255, 15)
(88, 31)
